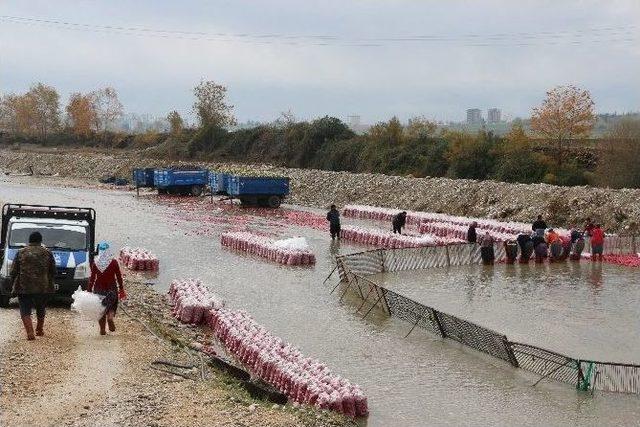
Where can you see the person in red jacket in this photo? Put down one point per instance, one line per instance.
(106, 280)
(597, 242)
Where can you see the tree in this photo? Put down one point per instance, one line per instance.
(175, 122)
(390, 132)
(567, 112)
(516, 159)
(210, 105)
(620, 157)
(108, 108)
(81, 114)
(420, 128)
(46, 108)
(19, 114)
(470, 156)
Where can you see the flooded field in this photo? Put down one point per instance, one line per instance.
(410, 382)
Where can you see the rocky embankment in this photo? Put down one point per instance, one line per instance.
(617, 209)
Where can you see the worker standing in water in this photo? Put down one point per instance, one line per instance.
(472, 234)
(333, 216)
(597, 243)
(399, 222)
(487, 252)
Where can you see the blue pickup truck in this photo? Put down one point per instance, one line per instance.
(177, 181)
(262, 191)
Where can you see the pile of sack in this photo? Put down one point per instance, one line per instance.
(192, 301)
(139, 259)
(302, 379)
(386, 239)
(287, 251)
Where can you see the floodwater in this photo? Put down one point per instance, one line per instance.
(588, 310)
(414, 381)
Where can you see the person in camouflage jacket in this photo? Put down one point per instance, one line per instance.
(32, 275)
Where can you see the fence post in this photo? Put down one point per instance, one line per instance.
(436, 320)
(510, 353)
(448, 257)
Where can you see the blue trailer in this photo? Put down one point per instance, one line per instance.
(176, 181)
(262, 191)
(219, 182)
(143, 178)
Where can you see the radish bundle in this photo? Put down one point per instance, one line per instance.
(139, 259)
(192, 301)
(293, 251)
(302, 379)
(386, 239)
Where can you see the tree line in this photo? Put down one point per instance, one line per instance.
(552, 154)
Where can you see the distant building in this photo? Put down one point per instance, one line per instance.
(474, 116)
(494, 115)
(353, 122)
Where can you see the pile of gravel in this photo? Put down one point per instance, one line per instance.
(561, 206)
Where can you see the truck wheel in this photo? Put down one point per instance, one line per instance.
(4, 301)
(274, 201)
(196, 190)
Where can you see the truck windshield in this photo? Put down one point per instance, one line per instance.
(54, 236)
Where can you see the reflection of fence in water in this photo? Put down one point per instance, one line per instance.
(583, 374)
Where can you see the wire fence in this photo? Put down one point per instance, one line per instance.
(583, 374)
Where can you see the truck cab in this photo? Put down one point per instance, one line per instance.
(68, 232)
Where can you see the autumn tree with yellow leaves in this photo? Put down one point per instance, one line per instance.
(81, 114)
(565, 114)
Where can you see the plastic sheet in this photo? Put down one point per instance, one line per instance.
(88, 304)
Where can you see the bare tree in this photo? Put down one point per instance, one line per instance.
(108, 108)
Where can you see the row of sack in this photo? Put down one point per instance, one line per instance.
(386, 239)
(267, 248)
(303, 379)
(138, 259)
(459, 232)
(416, 218)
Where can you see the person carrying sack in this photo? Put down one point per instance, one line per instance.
(106, 280)
(32, 275)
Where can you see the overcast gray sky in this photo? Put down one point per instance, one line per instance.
(375, 58)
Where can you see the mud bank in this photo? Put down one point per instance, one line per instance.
(617, 209)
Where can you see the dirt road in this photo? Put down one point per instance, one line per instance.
(74, 377)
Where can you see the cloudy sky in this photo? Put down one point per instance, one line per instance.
(373, 58)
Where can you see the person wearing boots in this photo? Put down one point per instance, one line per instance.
(32, 275)
(106, 280)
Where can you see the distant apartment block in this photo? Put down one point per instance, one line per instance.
(494, 115)
(474, 116)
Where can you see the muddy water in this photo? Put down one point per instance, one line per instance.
(415, 381)
(587, 310)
